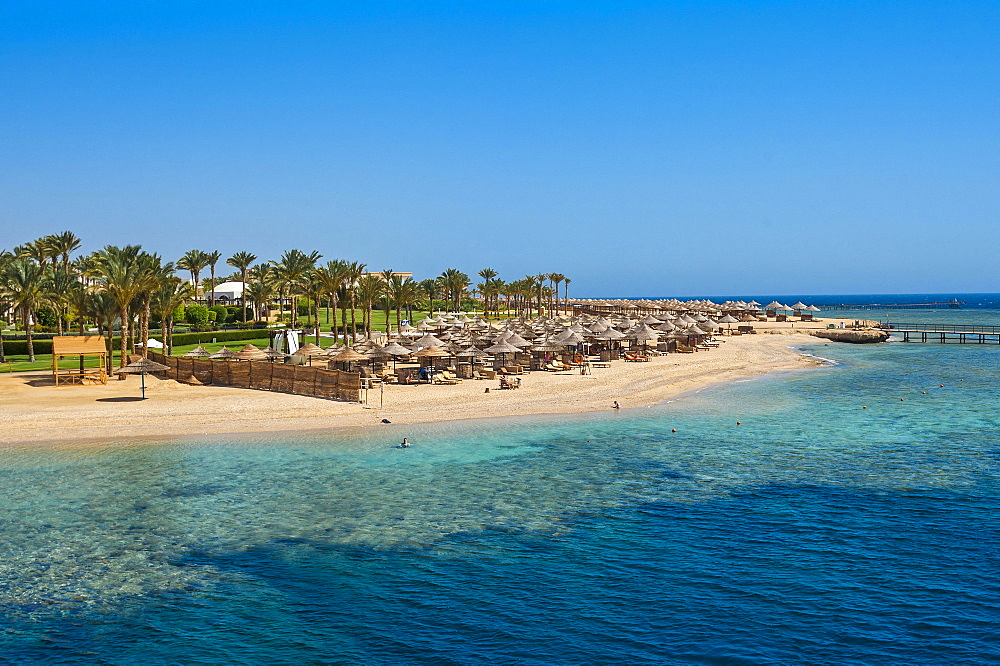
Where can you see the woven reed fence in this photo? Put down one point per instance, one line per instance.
(264, 376)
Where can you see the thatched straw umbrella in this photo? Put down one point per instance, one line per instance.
(140, 367)
(197, 352)
(431, 352)
(429, 341)
(643, 334)
(308, 351)
(729, 320)
(347, 357)
(224, 353)
(250, 353)
(273, 354)
(502, 348)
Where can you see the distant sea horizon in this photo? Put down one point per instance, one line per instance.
(972, 301)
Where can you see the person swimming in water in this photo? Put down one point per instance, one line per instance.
(405, 444)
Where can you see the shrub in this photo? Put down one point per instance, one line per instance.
(46, 317)
(196, 315)
(221, 314)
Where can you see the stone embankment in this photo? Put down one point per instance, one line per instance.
(856, 336)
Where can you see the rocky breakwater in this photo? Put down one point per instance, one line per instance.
(855, 335)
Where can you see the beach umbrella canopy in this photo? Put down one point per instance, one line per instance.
(472, 352)
(502, 347)
(348, 356)
(517, 341)
(813, 308)
(197, 352)
(610, 334)
(396, 349)
(643, 332)
(548, 346)
(140, 367)
(250, 353)
(429, 341)
(431, 352)
(271, 353)
(774, 305)
(377, 352)
(225, 352)
(799, 306)
(309, 349)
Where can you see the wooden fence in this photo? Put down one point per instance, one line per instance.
(264, 376)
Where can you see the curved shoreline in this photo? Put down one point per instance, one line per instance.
(91, 415)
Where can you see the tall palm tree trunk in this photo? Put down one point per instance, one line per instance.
(123, 347)
(28, 333)
(354, 324)
(144, 324)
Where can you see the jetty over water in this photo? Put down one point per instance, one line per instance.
(946, 333)
(953, 304)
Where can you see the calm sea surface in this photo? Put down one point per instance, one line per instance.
(817, 531)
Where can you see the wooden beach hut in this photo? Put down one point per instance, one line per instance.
(84, 346)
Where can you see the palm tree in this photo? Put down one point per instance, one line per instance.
(370, 288)
(539, 287)
(291, 272)
(313, 291)
(555, 279)
(431, 287)
(26, 282)
(77, 298)
(386, 276)
(486, 288)
(259, 293)
(212, 258)
(354, 271)
(57, 294)
(193, 261)
(332, 277)
(405, 294)
(154, 275)
(171, 294)
(242, 262)
(104, 309)
(65, 244)
(566, 282)
(121, 277)
(455, 282)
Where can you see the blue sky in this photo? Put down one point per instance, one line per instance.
(639, 148)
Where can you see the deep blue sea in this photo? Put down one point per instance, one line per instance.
(853, 517)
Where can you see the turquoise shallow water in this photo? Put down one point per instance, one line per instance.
(815, 531)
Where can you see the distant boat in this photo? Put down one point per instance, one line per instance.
(955, 304)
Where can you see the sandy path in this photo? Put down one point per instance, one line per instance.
(32, 410)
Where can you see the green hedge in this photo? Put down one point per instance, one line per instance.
(20, 347)
(222, 336)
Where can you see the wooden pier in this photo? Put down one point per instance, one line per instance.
(946, 333)
(954, 304)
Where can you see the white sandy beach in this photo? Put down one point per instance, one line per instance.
(32, 410)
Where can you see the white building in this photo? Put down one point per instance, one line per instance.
(227, 293)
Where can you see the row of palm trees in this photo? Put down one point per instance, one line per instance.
(127, 287)
(115, 286)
